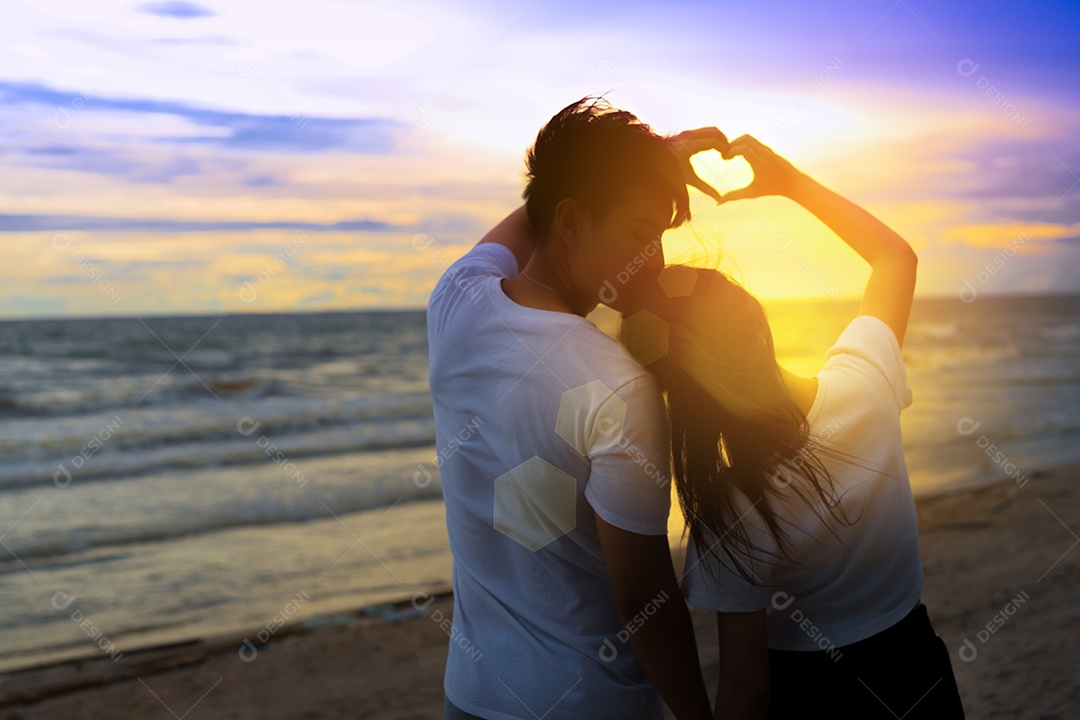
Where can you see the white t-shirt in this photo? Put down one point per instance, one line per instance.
(540, 420)
(847, 587)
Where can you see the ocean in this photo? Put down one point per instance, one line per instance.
(167, 478)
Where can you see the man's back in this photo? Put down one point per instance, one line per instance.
(541, 420)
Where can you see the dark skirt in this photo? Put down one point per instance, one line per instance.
(902, 672)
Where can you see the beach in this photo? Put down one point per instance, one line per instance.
(1001, 587)
(246, 332)
(164, 503)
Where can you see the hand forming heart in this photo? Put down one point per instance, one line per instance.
(691, 142)
(773, 175)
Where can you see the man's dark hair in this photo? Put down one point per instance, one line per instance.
(592, 153)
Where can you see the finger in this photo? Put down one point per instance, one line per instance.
(746, 192)
(707, 138)
(699, 139)
(705, 187)
(740, 146)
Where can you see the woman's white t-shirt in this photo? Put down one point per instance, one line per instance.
(844, 582)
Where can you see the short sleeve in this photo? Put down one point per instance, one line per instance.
(462, 280)
(711, 577)
(869, 341)
(484, 260)
(625, 434)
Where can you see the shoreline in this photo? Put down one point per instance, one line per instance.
(365, 610)
(52, 679)
(983, 547)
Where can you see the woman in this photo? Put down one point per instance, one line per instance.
(803, 534)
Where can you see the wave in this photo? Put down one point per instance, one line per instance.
(1060, 332)
(260, 447)
(937, 331)
(146, 428)
(79, 545)
(132, 392)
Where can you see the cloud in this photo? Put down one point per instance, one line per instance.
(46, 223)
(1020, 169)
(220, 128)
(1020, 237)
(132, 166)
(1030, 181)
(139, 46)
(259, 181)
(21, 305)
(317, 298)
(63, 280)
(194, 40)
(227, 132)
(164, 264)
(179, 9)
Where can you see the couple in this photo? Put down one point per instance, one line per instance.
(803, 533)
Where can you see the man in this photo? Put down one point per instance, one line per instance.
(566, 603)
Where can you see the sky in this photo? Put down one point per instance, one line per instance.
(188, 156)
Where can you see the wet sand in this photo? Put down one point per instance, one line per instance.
(1002, 583)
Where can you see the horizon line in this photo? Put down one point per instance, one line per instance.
(413, 309)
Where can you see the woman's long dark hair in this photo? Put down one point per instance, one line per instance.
(733, 423)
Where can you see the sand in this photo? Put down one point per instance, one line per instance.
(1001, 574)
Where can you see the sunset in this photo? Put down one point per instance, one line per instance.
(181, 148)
(342, 373)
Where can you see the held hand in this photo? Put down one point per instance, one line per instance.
(773, 175)
(689, 143)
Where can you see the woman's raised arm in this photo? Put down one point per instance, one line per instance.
(891, 286)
